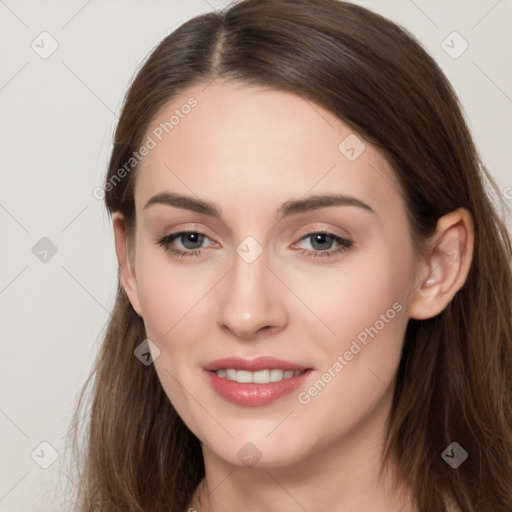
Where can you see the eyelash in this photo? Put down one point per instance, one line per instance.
(345, 244)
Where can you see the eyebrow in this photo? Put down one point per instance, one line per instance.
(288, 208)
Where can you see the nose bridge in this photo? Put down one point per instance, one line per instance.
(249, 298)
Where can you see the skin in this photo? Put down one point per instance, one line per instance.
(248, 150)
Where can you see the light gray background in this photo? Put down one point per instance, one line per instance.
(57, 119)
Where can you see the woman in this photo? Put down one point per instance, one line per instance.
(314, 303)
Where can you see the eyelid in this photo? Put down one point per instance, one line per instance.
(323, 229)
(186, 228)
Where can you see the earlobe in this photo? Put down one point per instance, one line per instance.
(126, 265)
(447, 265)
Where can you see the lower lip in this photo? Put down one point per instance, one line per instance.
(254, 395)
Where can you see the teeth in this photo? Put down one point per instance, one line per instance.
(259, 377)
(243, 376)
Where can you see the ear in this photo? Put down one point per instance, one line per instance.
(446, 267)
(126, 261)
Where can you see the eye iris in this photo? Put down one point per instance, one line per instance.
(191, 238)
(320, 238)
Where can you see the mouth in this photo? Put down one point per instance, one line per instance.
(254, 382)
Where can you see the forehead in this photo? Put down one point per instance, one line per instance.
(230, 142)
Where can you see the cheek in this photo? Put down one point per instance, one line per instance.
(166, 292)
(368, 289)
(169, 298)
(365, 309)
(174, 301)
(363, 305)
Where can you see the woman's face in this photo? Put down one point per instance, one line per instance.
(255, 281)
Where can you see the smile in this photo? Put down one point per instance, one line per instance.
(254, 382)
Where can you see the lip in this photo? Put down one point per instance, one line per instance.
(251, 394)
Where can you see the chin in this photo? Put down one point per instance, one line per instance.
(256, 450)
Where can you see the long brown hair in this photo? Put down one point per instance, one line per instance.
(455, 376)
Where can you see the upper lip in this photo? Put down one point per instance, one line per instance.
(253, 365)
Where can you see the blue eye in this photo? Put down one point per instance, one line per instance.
(323, 241)
(192, 242)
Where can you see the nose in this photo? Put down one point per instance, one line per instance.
(251, 300)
